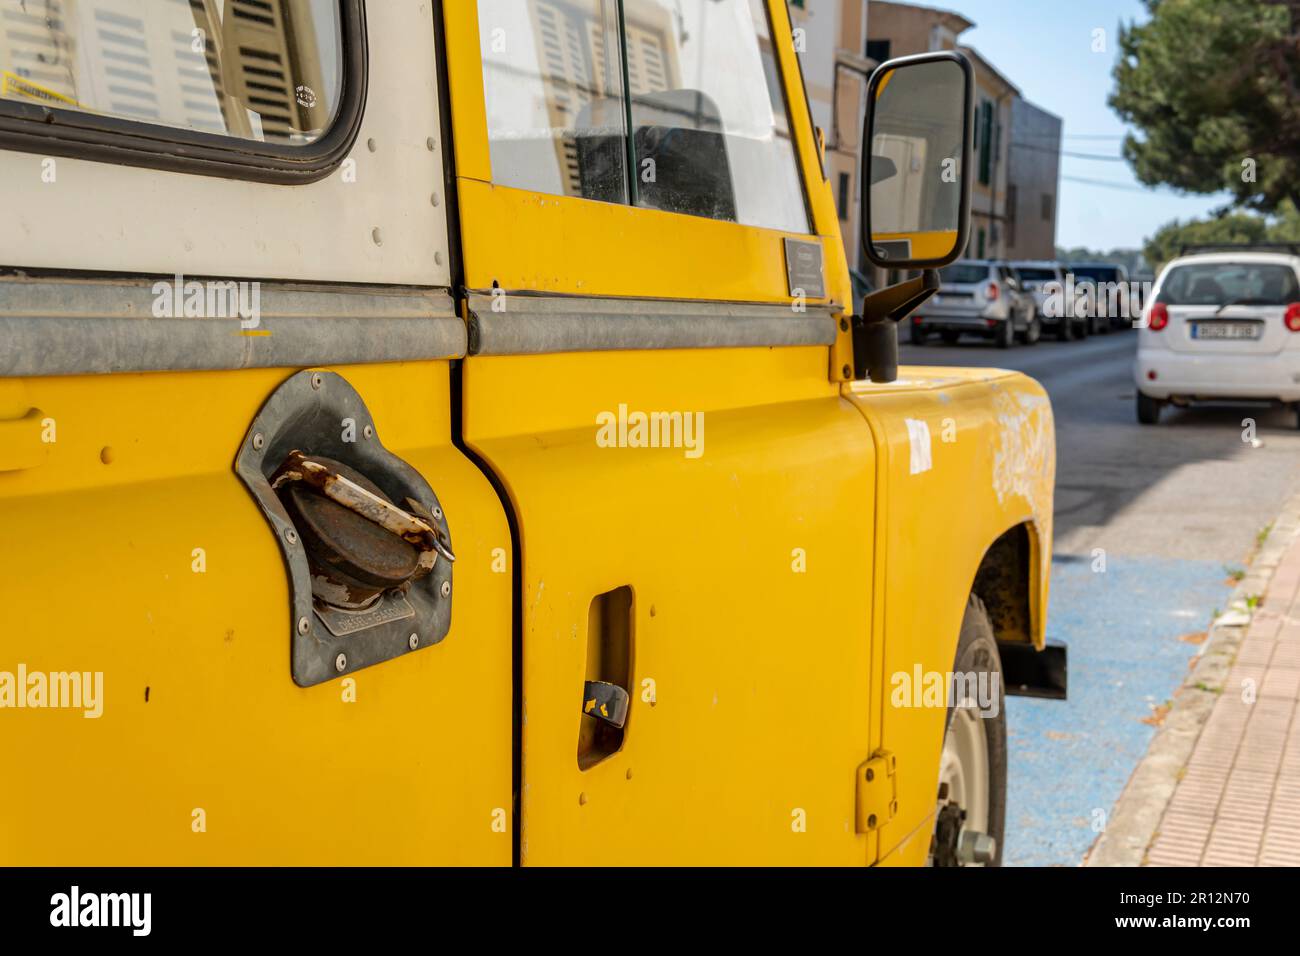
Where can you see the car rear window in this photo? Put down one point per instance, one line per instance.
(1096, 273)
(964, 272)
(1036, 275)
(1221, 283)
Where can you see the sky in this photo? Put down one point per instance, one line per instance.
(1045, 48)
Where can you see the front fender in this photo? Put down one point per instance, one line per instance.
(964, 455)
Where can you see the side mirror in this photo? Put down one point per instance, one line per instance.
(916, 159)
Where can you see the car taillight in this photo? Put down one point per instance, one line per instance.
(1159, 317)
(993, 291)
(1292, 317)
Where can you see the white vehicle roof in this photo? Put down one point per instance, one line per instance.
(1245, 256)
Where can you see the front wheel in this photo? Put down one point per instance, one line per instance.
(1033, 331)
(971, 813)
(917, 334)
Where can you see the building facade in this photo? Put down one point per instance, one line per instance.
(1032, 194)
(1004, 181)
(831, 37)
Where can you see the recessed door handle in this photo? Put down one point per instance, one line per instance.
(605, 701)
(21, 443)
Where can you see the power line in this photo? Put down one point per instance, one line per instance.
(1102, 182)
(1065, 152)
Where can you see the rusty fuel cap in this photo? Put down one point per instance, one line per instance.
(352, 559)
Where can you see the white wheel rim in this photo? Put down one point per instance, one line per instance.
(964, 767)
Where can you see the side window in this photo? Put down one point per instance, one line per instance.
(263, 70)
(553, 81)
(681, 111)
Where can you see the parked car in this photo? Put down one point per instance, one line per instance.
(981, 297)
(1221, 326)
(1111, 295)
(1043, 280)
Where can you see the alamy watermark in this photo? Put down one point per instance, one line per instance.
(922, 688)
(633, 429)
(209, 299)
(57, 690)
(1089, 298)
(130, 910)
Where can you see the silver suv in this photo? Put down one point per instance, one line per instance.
(980, 297)
(1045, 281)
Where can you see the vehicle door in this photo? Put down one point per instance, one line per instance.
(226, 240)
(654, 271)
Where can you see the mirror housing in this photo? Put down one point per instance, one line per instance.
(916, 161)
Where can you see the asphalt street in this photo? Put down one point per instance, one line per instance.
(1151, 524)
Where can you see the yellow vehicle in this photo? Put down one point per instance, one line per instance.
(304, 300)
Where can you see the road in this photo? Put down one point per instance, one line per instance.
(1151, 522)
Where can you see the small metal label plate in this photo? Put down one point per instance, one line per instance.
(804, 270)
(342, 622)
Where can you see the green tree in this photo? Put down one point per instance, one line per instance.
(1228, 228)
(1214, 87)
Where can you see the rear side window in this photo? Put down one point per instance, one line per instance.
(666, 104)
(1223, 283)
(263, 70)
(1096, 273)
(1032, 274)
(964, 272)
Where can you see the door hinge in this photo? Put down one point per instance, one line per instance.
(877, 801)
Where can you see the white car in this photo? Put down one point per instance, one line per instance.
(1220, 326)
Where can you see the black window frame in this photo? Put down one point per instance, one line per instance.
(72, 134)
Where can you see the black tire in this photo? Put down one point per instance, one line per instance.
(1005, 336)
(1148, 409)
(1295, 410)
(1033, 332)
(949, 336)
(917, 334)
(1063, 330)
(977, 653)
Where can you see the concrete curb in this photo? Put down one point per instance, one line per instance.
(1136, 816)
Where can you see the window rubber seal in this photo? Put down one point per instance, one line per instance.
(47, 131)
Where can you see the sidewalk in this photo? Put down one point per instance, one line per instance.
(1220, 784)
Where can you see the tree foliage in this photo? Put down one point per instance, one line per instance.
(1214, 87)
(1229, 228)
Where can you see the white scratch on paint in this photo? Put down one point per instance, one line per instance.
(918, 436)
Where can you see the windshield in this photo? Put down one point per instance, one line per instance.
(1230, 283)
(1034, 274)
(964, 272)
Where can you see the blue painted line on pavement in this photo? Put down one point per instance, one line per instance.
(1069, 760)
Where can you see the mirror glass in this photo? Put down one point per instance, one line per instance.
(916, 175)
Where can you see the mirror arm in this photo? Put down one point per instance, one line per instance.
(875, 331)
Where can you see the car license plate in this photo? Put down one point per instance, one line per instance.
(1226, 330)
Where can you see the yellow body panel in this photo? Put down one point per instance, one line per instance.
(755, 641)
(989, 466)
(199, 710)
